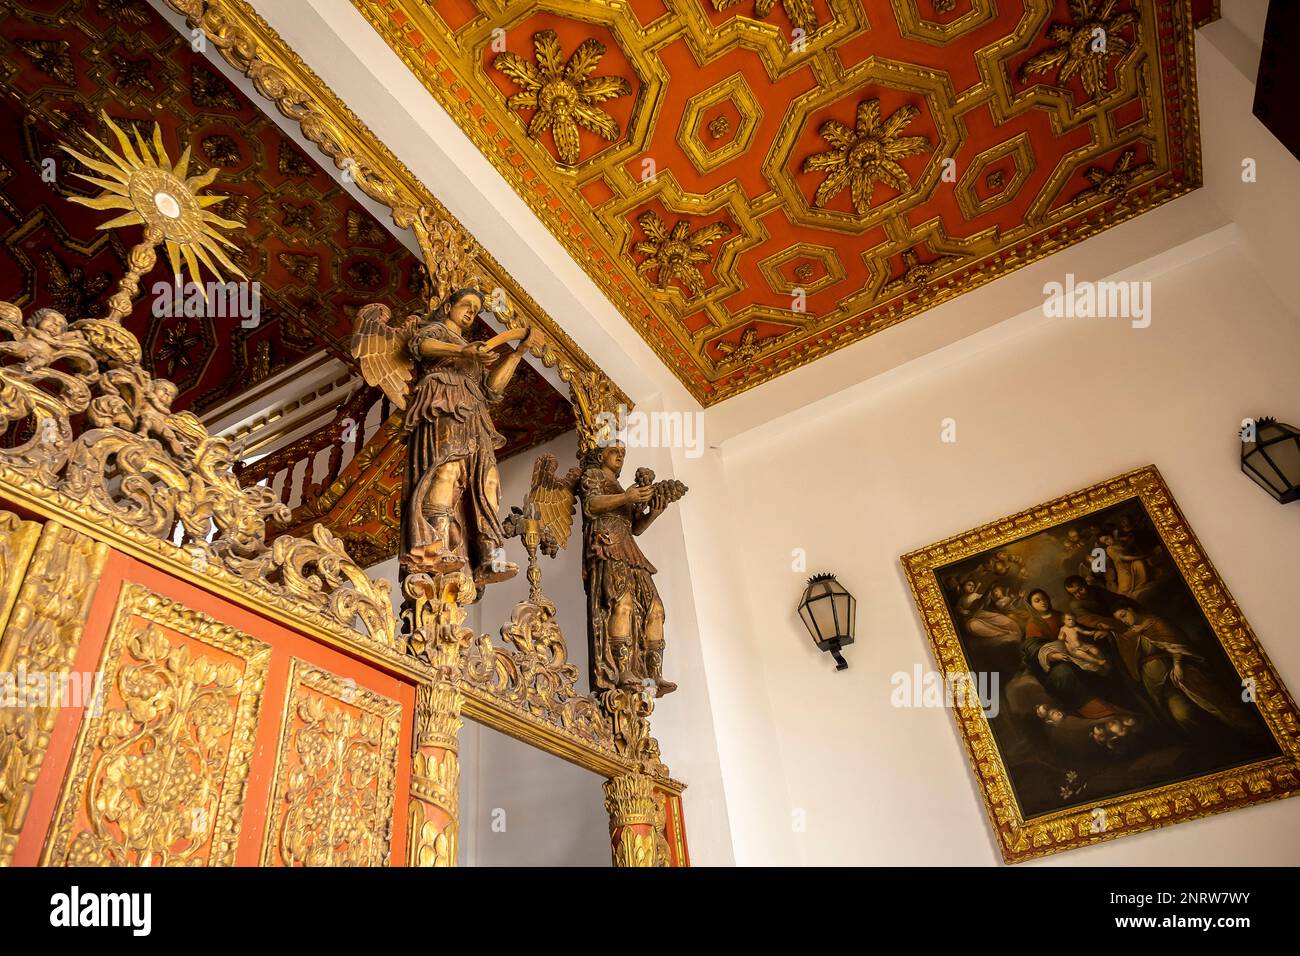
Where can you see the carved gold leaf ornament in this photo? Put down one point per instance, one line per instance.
(538, 677)
(917, 273)
(563, 95)
(1083, 46)
(635, 817)
(742, 351)
(17, 541)
(332, 802)
(451, 254)
(433, 812)
(676, 253)
(866, 154)
(802, 13)
(43, 635)
(1113, 182)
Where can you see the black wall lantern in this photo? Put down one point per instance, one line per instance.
(829, 613)
(1272, 458)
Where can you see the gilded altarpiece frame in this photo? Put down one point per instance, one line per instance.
(308, 585)
(1089, 818)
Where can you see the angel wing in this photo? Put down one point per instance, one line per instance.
(554, 497)
(382, 351)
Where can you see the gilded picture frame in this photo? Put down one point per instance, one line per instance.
(1268, 769)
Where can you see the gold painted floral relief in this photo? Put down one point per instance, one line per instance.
(161, 763)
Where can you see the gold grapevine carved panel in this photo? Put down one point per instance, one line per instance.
(335, 771)
(725, 146)
(158, 776)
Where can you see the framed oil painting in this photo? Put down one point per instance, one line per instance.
(1131, 691)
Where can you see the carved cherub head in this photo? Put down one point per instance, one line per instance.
(164, 393)
(48, 321)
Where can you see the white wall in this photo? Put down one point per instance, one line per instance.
(1043, 407)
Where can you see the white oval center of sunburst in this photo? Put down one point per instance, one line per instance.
(167, 205)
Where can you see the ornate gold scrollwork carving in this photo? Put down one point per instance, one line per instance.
(537, 678)
(43, 636)
(629, 713)
(332, 804)
(137, 465)
(17, 542)
(434, 616)
(159, 778)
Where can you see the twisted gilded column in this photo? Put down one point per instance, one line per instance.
(434, 612)
(433, 815)
(632, 806)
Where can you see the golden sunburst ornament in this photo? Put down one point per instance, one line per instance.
(160, 197)
(866, 154)
(563, 95)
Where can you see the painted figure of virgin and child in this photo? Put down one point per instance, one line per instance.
(1113, 679)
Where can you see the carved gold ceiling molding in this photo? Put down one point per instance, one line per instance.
(882, 156)
(252, 47)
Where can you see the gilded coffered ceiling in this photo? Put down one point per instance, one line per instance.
(755, 184)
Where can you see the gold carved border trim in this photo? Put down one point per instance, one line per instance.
(43, 634)
(251, 46)
(1020, 839)
(178, 562)
(136, 600)
(482, 708)
(304, 678)
(17, 542)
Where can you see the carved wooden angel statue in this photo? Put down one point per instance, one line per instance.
(625, 616)
(445, 383)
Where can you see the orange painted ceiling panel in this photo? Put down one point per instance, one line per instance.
(756, 183)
